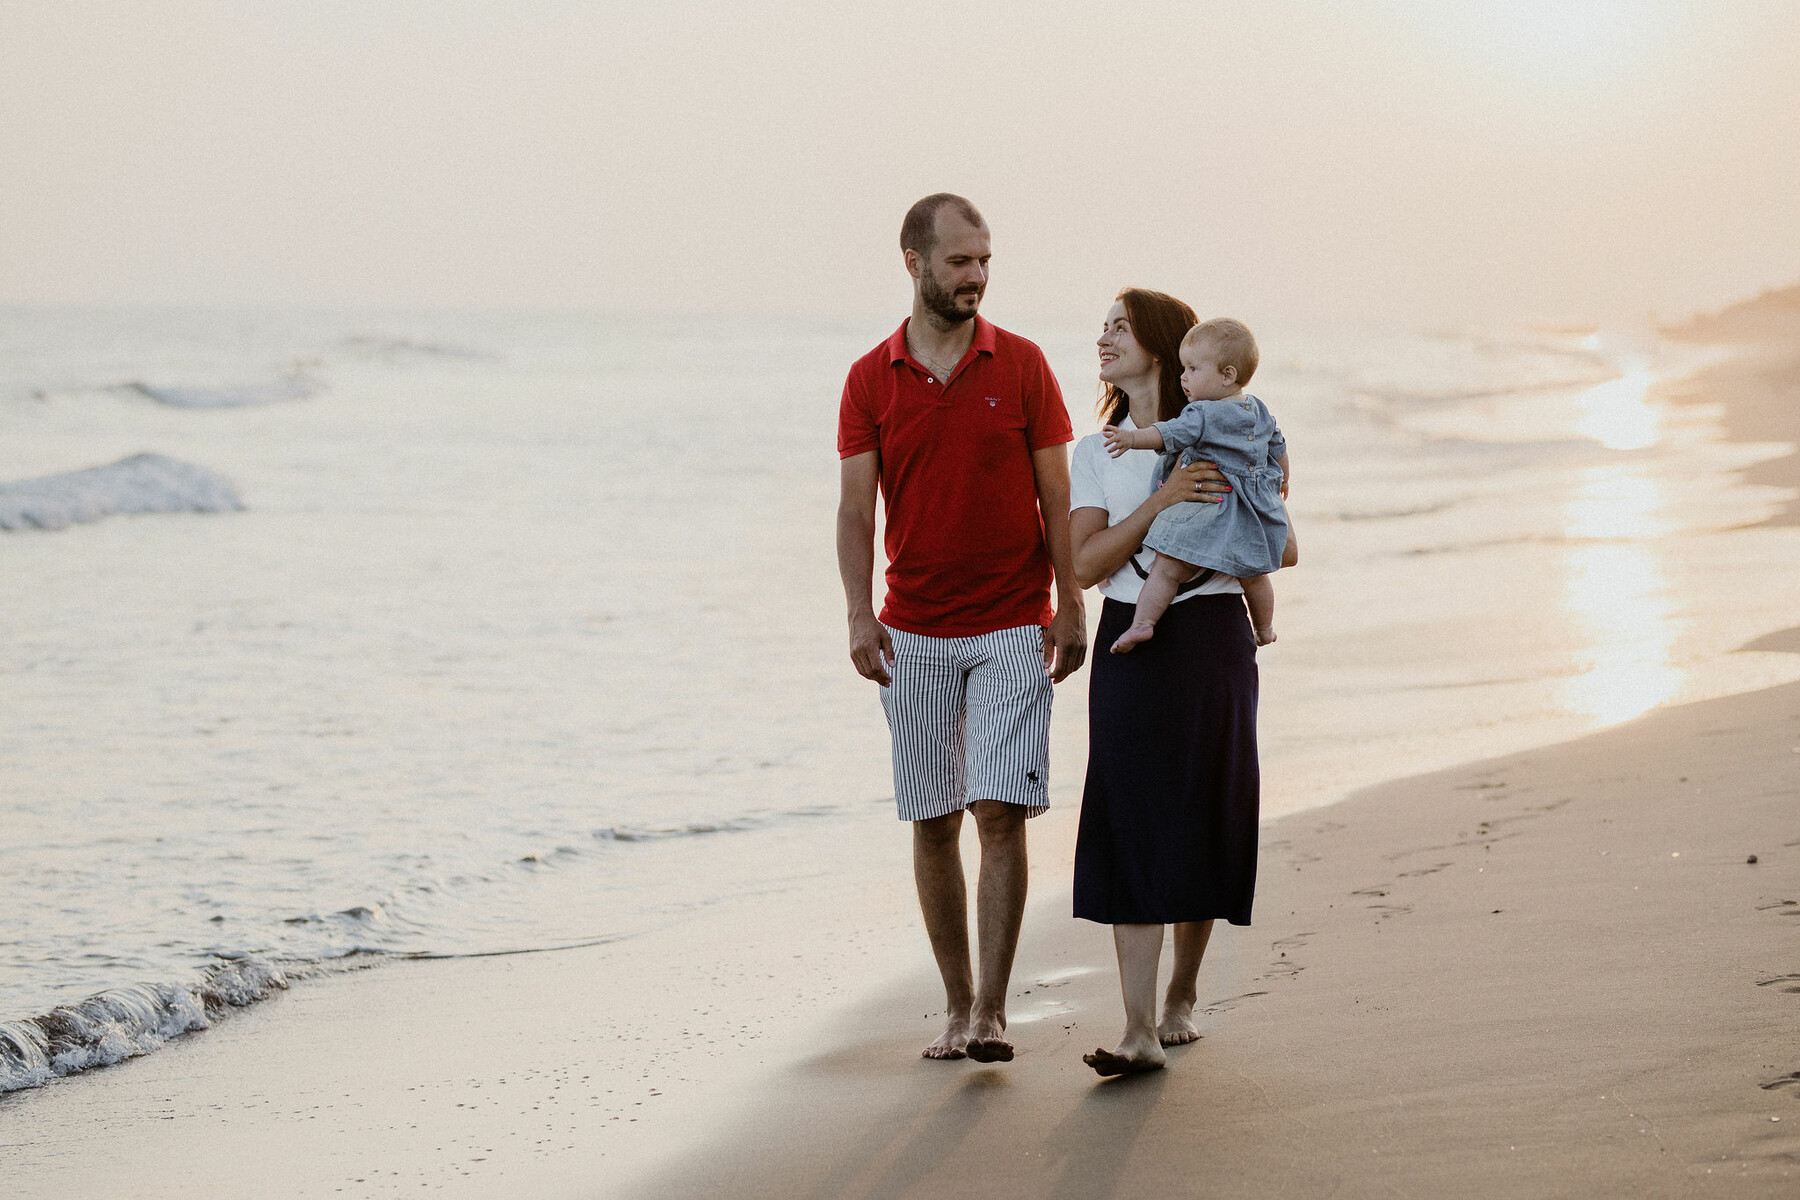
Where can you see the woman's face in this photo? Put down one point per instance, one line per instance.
(1122, 360)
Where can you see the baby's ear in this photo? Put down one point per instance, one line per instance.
(1229, 371)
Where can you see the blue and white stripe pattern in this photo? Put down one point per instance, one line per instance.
(970, 720)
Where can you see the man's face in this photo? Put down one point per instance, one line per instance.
(953, 278)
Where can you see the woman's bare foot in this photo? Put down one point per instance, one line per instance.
(1177, 1026)
(1132, 1056)
(1265, 635)
(1140, 632)
(954, 1043)
(987, 1039)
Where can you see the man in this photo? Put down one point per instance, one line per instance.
(962, 427)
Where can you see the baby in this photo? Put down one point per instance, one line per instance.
(1246, 534)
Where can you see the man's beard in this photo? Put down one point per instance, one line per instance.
(941, 302)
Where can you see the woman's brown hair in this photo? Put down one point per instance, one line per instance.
(1158, 322)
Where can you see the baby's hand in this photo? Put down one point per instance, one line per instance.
(1116, 443)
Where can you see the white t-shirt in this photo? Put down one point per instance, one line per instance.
(1119, 485)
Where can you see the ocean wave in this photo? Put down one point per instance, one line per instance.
(753, 820)
(1391, 514)
(124, 1022)
(293, 387)
(383, 346)
(143, 483)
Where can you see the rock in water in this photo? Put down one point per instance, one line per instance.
(143, 483)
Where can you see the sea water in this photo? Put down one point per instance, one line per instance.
(529, 633)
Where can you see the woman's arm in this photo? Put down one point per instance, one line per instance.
(1099, 550)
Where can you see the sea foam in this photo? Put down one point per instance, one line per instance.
(125, 1022)
(143, 483)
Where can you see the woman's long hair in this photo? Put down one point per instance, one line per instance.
(1158, 321)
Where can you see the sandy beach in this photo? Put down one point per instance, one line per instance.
(1567, 972)
(1555, 973)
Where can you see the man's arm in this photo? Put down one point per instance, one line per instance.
(1065, 641)
(871, 649)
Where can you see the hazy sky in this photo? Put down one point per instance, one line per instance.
(1424, 161)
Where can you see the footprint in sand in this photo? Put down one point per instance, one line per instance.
(1425, 871)
(1791, 1080)
(1384, 911)
(1376, 892)
(1219, 1006)
(1793, 980)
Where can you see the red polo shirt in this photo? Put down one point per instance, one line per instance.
(965, 542)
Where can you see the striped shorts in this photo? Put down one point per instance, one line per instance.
(970, 720)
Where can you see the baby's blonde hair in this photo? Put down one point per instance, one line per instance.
(1232, 341)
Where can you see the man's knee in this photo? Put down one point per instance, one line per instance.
(935, 833)
(997, 821)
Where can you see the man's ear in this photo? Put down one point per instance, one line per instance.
(915, 263)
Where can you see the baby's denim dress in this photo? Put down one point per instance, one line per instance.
(1247, 534)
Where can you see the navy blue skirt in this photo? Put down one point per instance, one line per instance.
(1169, 812)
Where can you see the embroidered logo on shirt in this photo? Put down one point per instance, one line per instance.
(993, 402)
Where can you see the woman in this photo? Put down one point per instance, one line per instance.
(1169, 814)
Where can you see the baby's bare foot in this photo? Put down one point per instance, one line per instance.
(1131, 637)
(1177, 1026)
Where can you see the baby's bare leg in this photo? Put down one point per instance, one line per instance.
(1159, 591)
(1259, 594)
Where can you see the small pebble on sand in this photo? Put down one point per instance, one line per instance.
(1751, 860)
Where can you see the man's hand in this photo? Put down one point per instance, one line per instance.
(1065, 640)
(871, 648)
(1201, 481)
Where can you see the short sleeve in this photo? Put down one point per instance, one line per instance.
(1085, 488)
(858, 430)
(1186, 430)
(1046, 416)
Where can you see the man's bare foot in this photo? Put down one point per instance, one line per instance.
(987, 1040)
(1265, 635)
(1133, 1056)
(1177, 1026)
(1137, 633)
(954, 1043)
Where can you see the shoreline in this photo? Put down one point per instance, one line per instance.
(1374, 929)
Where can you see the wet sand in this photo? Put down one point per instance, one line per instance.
(1552, 974)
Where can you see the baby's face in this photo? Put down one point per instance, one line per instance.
(1202, 378)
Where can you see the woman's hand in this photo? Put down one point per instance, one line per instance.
(1201, 481)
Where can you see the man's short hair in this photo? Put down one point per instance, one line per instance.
(919, 230)
(1231, 341)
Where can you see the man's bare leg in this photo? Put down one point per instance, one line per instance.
(1154, 599)
(943, 899)
(1259, 594)
(999, 910)
(1177, 1026)
(1139, 948)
